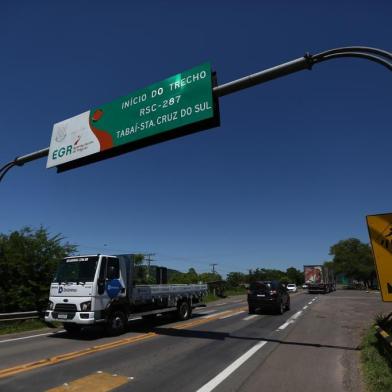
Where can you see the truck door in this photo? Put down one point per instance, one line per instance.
(101, 298)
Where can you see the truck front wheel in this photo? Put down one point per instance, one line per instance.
(184, 311)
(116, 323)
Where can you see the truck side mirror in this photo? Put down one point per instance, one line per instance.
(111, 273)
(101, 286)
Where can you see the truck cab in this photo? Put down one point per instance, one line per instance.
(82, 288)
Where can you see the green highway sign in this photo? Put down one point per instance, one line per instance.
(174, 107)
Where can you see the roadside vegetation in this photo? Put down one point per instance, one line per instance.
(29, 257)
(376, 365)
(21, 326)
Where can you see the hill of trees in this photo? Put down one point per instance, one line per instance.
(28, 260)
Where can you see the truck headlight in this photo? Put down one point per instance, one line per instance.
(50, 305)
(85, 306)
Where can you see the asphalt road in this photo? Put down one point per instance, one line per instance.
(314, 346)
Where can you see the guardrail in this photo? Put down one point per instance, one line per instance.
(19, 316)
(386, 341)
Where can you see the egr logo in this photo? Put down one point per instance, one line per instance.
(60, 152)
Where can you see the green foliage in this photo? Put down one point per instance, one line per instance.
(375, 365)
(20, 326)
(28, 260)
(295, 276)
(193, 277)
(354, 259)
(235, 279)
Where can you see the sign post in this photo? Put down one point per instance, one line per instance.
(380, 233)
(174, 107)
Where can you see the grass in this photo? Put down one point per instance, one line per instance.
(211, 297)
(376, 367)
(21, 326)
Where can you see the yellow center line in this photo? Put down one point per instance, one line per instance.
(102, 347)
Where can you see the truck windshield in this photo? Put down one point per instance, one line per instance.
(76, 269)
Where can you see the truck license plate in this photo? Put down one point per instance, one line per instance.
(62, 316)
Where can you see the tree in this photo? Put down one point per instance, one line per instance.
(28, 260)
(295, 276)
(354, 259)
(235, 279)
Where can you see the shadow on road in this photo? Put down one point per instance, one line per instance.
(157, 326)
(187, 333)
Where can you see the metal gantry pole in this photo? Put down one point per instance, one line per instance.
(306, 62)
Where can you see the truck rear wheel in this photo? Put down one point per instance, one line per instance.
(116, 323)
(184, 311)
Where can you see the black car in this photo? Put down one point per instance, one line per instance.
(270, 294)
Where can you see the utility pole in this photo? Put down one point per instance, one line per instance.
(213, 267)
(148, 258)
(305, 62)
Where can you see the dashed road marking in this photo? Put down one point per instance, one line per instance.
(31, 336)
(212, 384)
(252, 316)
(291, 320)
(305, 307)
(206, 311)
(232, 314)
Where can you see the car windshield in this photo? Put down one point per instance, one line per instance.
(76, 269)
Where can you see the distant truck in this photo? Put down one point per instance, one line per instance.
(92, 289)
(319, 279)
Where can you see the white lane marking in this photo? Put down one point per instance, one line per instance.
(32, 336)
(212, 384)
(252, 316)
(286, 324)
(221, 304)
(310, 303)
(215, 314)
(206, 311)
(232, 314)
(305, 307)
(296, 315)
(291, 320)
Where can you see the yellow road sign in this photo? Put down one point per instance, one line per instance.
(380, 233)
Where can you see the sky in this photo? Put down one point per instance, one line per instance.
(295, 166)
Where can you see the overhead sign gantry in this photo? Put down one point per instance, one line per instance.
(126, 135)
(174, 107)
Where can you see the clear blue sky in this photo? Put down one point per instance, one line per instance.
(295, 166)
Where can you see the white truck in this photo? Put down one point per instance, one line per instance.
(92, 289)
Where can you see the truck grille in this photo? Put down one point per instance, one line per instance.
(65, 308)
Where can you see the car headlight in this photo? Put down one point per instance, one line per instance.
(50, 305)
(85, 306)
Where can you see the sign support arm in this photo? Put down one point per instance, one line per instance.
(306, 62)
